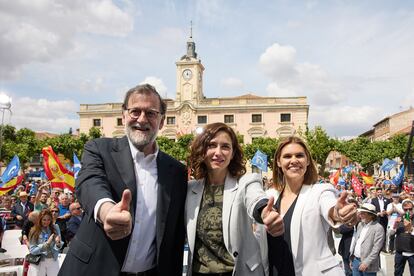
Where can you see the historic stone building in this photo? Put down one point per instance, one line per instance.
(397, 123)
(250, 115)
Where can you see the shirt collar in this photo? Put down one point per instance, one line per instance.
(139, 155)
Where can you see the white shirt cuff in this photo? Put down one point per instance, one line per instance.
(98, 206)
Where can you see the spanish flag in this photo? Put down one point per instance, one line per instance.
(58, 175)
(369, 180)
(334, 178)
(11, 185)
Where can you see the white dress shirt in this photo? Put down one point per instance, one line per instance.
(360, 239)
(142, 251)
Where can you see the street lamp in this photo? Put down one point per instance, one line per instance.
(5, 104)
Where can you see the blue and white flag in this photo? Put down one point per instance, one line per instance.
(76, 165)
(260, 160)
(348, 169)
(387, 165)
(398, 177)
(12, 170)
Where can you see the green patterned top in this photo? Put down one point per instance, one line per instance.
(210, 253)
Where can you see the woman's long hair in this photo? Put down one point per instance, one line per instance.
(311, 174)
(237, 166)
(37, 227)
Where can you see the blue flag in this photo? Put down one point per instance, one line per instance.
(398, 177)
(260, 160)
(76, 165)
(387, 165)
(348, 169)
(12, 170)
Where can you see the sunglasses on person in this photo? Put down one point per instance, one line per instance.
(54, 211)
(407, 209)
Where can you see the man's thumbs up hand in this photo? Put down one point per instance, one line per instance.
(117, 220)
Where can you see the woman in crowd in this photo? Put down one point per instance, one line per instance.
(219, 203)
(44, 240)
(308, 211)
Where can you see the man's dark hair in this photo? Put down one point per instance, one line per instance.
(144, 89)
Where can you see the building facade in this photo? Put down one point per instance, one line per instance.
(250, 115)
(398, 123)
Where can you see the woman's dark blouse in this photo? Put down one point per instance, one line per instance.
(280, 249)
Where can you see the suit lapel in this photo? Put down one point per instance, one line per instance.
(229, 193)
(165, 184)
(193, 203)
(297, 217)
(121, 154)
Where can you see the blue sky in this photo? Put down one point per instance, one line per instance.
(352, 59)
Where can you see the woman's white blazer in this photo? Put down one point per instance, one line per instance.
(239, 200)
(309, 225)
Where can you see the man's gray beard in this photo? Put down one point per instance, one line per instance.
(138, 140)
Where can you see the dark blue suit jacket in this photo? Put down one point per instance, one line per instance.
(107, 170)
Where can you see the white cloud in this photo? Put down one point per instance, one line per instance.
(158, 84)
(44, 115)
(41, 31)
(89, 85)
(291, 78)
(345, 120)
(232, 83)
(274, 89)
(278, 62)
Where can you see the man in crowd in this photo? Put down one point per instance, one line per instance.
(367, 242)
(394, 211)
(21, 209)
(41, 198)
(404, 241)
(74, 221)
(133, 195)
(380, 202)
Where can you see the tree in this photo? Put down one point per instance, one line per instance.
(264, 144)
(94, 132)
(180, 149)
(320, 145)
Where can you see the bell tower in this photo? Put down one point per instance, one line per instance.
(189, 74)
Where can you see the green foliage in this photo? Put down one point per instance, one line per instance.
(179, 149)
(94, 133)
(264, 144)
(320, 145)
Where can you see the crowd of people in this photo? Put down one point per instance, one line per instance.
(139, 209)
(48, 219)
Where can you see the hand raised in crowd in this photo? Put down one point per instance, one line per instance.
(57, 240)
(272, 219)
(346, 212)
(50, 239)
(116, 218)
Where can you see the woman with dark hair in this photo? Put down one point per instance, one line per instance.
(221, 203)
(45, 240)
(308, 211)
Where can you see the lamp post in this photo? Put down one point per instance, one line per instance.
(5, 104)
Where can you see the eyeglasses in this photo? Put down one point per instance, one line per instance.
(135, 113)
(408, 209)
(54, 211)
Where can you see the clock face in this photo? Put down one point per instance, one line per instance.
(187, 74)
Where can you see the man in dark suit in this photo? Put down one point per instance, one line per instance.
(21, 209)
(133, 196)
(380, 202)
